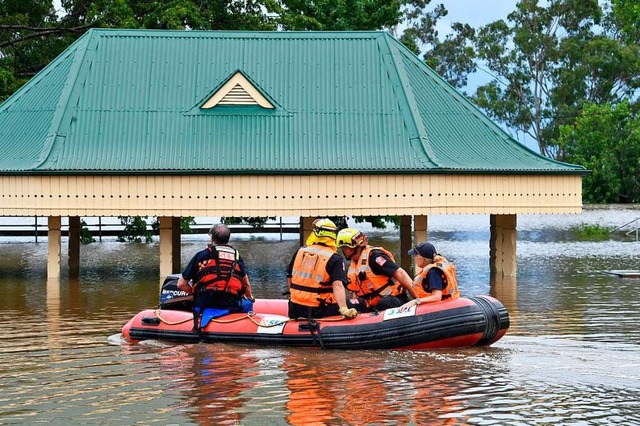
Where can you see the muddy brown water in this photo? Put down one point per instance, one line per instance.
(571, 356)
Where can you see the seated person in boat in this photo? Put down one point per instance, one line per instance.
(437, 279)
(218, 274)
(373, 276)
(316, 276)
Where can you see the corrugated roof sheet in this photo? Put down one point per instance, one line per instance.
(128, 101)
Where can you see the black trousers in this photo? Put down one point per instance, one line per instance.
(218, 300)
(300, 311)
(385, 302)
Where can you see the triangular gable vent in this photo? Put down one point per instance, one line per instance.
(238, 91)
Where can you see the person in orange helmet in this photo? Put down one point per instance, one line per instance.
(373, 276)
(316, 276)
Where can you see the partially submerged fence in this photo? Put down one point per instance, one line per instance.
(635, 226)
(100, 228)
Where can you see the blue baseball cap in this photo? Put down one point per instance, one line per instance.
(426, 250)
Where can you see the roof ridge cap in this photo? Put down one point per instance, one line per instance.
(62, 104)
(420, 132)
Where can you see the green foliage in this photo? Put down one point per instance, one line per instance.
(627, 14)
(606, 140)
(254, 222)
(85, 234)
(454, 56)
(591, 232)
(379, 222)
(336, 15)
(185, 224)
(135, 230)
(527, 55)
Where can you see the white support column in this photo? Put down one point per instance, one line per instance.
(405, 242)
(55, 247)
(306, 226)
(176, 233)
(169, 246)
(420, 234)
(74, 246)
(494, 242)
(505, 289)
(502, 245)
(54, 322)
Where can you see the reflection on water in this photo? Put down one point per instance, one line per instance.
(572, 354)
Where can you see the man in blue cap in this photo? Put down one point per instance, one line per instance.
(437, 279)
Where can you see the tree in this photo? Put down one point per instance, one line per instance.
(454, 56)
(31, 36)
(335, 15)
(627, 14)
(606, 140)
(522, 55)
(548, 62)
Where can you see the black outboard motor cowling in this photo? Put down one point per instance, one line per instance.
(171, 297)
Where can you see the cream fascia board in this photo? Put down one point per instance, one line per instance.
(273, 195)
(238, 80)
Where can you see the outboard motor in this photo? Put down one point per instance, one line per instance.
(171, 297)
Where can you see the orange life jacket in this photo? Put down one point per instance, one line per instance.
(221, 272)
(364, 283)
(448, 274)
(309, 277)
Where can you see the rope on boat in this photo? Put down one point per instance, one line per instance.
(250, 317)
(157, 312)
(251, 314)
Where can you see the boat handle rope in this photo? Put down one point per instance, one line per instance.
(249, 316)
(157, 312)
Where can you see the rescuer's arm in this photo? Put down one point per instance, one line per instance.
(405, 281)
(341, 300)
(184, 285)
(247, 284)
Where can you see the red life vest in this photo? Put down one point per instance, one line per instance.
(221, 272)
(309, 277)
(449, 278)
(364, 283)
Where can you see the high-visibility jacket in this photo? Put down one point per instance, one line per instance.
(449, 277)
(364, 283)
(221, 272)
(310, 284)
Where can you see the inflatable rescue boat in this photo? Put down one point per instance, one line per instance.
(462, 322)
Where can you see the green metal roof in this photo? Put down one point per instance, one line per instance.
(128, 101)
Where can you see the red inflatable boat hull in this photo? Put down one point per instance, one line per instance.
(464, 322)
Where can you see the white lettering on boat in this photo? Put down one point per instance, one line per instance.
(394, 313)
(272, 324)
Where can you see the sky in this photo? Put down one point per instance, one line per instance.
(475, 12)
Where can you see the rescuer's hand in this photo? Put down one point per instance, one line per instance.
(348, 313)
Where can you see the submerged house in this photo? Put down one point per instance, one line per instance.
(190, 123)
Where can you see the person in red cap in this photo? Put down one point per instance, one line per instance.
(437, 279)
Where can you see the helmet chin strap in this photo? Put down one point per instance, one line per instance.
(356, 251)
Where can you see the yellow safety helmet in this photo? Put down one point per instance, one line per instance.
(324, 228)
(351, 237)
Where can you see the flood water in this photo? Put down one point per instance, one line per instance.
(571, 356)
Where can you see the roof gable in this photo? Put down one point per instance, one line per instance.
(122, 101)
(237, 90)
